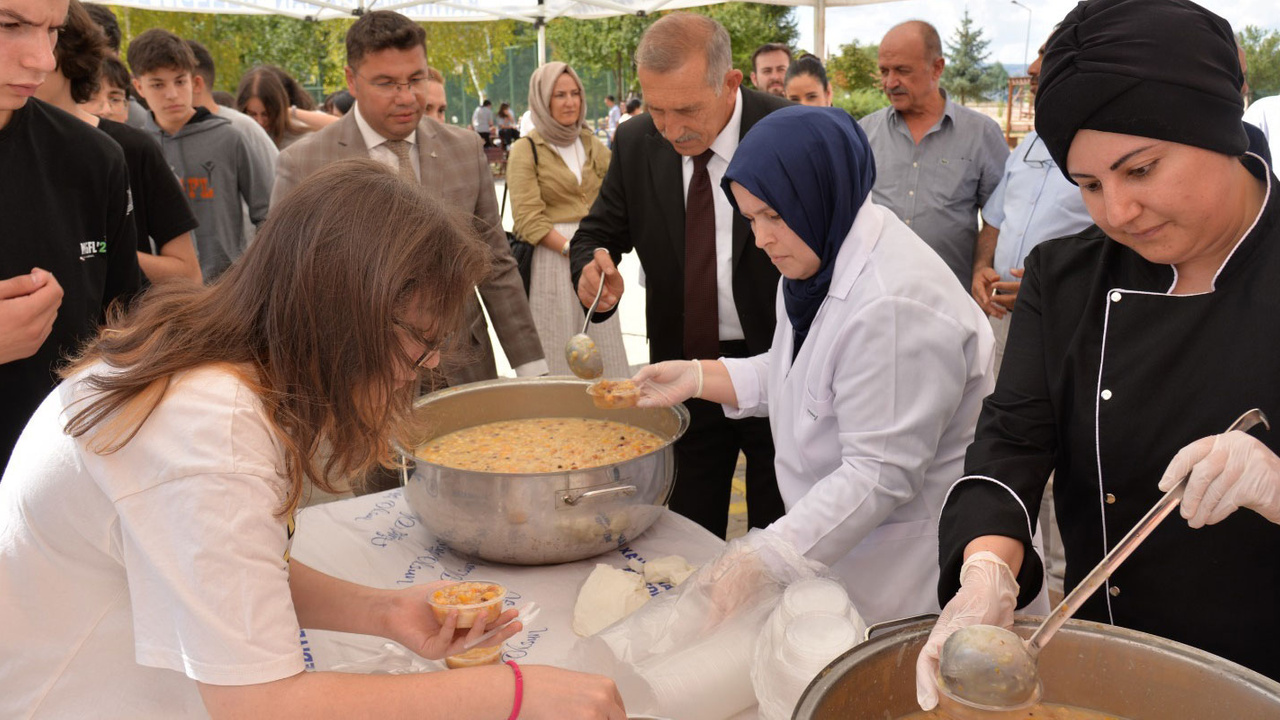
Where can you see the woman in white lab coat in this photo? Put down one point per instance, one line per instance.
(878, 368)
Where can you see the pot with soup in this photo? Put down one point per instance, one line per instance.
(532, 472)
(1090, 671)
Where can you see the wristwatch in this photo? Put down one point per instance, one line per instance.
(564, 250)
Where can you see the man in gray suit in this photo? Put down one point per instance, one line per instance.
(387, 75)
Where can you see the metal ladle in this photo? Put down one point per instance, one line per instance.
(991, 670)
(581, 352)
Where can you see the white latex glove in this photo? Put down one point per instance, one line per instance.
(666, 383)
(1228, 471)
(988, 595)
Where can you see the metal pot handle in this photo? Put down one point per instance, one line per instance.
(891, 624)
(573, 497)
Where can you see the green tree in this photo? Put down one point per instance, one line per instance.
(606, 45)
(476, 50)
(751, 25)
(314, 52)
(310, 51)
(1262, 52)
(965, 74)
(997, 80)
(860, 102)
(855, 68)
(609, 45)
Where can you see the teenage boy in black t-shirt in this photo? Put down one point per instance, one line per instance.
(64, 207)
(162, 218)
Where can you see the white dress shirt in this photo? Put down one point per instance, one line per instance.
(378, 149)
(723, 147)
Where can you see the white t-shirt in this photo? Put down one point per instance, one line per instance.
(125, 577)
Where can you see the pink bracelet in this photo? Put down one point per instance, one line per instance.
(515, 707)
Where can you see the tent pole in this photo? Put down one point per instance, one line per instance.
(541, 24)
(820, 29)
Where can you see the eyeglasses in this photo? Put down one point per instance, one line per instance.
(1038, 163)
(391, 87)
(432, 347)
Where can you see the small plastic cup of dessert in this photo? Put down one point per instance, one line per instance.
(614, 394)
(472, 599)
(476, 657)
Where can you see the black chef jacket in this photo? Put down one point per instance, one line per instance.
(1105, 377)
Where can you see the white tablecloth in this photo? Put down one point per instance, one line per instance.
(376, 540)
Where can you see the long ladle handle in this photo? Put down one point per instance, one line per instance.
(1123, 549)
(591, 311)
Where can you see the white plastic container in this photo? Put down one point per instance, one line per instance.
(809, 643)
(812, 595)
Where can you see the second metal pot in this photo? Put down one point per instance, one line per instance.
(1089, 665)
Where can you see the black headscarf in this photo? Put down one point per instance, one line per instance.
(813, 166)
(1162, 69)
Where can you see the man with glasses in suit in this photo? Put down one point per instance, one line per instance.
(387, 74)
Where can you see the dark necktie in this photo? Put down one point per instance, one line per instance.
(701, 312)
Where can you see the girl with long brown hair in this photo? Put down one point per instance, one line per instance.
(146, 515)
(272, 98)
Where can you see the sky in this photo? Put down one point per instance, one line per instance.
(1001, 21)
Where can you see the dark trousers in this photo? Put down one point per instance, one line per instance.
(488, 141)
(705, 461)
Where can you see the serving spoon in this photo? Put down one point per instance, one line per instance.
(581, 352)
(990, 669)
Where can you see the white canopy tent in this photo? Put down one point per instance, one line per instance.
(537, 12)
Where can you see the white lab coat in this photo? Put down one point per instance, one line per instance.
(871, 422)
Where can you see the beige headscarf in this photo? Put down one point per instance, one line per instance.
(541, 83)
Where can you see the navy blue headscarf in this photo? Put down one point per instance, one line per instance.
(813, 166)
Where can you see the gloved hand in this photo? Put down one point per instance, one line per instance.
(988, 595)
(666, 383)
(1228, 471)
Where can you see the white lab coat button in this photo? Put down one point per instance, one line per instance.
(1115, 591)
(1115, 297)
(1111, 499)
(1106, 394)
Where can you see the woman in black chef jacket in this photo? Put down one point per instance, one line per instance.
(1135, 342)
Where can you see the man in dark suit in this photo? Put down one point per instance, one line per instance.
(387, 74)
(710, 291)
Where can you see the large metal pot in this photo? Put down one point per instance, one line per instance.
(1089, 665)
(547, 518)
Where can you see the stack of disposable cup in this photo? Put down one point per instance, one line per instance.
(812, 595)
(815, 595)
(809, 643)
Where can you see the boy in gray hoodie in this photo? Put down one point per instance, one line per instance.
(211, 159)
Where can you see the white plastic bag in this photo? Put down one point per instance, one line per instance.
(688, 653)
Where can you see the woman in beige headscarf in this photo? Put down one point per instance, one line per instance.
(554, 175)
